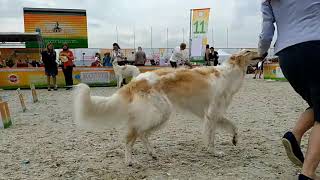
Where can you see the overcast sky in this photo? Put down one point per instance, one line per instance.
(241, 17)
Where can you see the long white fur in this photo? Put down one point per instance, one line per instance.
(124, 72)
(149, 111)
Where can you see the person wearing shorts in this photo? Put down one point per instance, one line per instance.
(298, 46)
(259, 69)
(50, 65)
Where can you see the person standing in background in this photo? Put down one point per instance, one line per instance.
(259, 69)
(97, 61)
(66, 57)
(140, 58)
(107, 59)
(207, 55)
(180, 56)
(117, 55)
(50, 65)
(298, 46)
(213, 57)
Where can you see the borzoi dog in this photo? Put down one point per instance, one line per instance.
(145, 104)
(124, 72)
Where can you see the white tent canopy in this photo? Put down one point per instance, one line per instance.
(223, 56)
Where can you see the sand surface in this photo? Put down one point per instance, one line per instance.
(44, 143)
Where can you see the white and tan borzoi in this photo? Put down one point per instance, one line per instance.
(146, 103)
(124, 72)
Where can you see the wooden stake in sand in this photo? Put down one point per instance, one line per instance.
(34, 93)
(23, 105)
(5, 119)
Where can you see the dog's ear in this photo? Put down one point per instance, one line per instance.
(238, 60)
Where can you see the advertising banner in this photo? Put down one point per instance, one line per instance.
(57, 26)
(273, 71)
(14, 78)
(84, 56)
(97, 77)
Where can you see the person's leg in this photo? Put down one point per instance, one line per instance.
(293, 69)
(171, 63)
(71, 76)
(188, 64)
(312, 159)
(260, 73)
(54, 79)
(65, 74)
(68, 76)
(255, 73)
(304, 123)
(48, 82)
(121, 63)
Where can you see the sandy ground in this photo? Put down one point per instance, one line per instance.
(44, 143)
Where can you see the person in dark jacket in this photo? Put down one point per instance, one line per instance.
(50, 65)
(213, 56)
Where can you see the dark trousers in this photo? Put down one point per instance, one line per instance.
(300, 65)
(121, 63)
(173, 64)
(67, 71)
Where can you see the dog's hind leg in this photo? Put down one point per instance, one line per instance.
(147, 145)
(130, 140)
(229, 127)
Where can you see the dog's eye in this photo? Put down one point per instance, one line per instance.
(248, 51)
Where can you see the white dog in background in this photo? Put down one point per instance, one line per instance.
(122, 72)
(145, 104)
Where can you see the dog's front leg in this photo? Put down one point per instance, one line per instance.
(147, 145)
(130, 140)
(209, 135)
(209, 132)
(229, 127)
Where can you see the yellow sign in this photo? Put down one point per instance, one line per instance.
(200, 21)
(273, 71)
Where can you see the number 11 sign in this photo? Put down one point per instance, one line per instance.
(199, 27)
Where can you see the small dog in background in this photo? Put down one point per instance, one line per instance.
(122, 72)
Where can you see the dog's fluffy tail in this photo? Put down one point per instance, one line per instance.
(97, 111)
